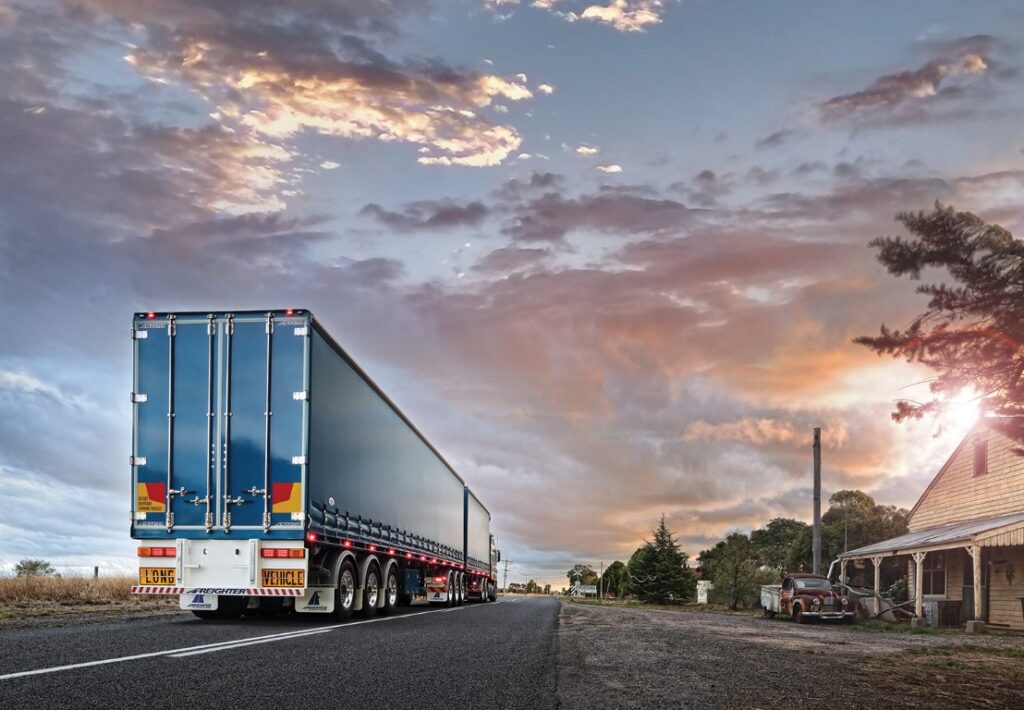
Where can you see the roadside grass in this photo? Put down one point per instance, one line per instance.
(952, 677)
(22, 597)
(865, 625)
(683, 608)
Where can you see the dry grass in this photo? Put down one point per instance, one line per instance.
(22, 597)
(65, 589)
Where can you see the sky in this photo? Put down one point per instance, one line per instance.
(609, 255)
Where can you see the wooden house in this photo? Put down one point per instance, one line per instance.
(965, 545)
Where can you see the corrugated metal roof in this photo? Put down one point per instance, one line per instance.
(954, 532)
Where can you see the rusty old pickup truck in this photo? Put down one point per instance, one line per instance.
(805, 597)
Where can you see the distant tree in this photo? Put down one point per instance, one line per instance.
(547, 589)
(972, 332)
(531, 587)
(585, 573)
(34, 568)
(616, 580)
(736, 571)
(852, 520)
(658, 570)
(708, 560)
(771, 544)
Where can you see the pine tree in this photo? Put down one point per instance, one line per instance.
(972, 333)
(658, 570)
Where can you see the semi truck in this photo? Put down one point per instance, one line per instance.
(269, 473)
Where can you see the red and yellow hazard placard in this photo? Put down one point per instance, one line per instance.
(287, 497)
(151, 497)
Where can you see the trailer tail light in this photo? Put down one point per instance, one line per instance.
(158, 552)
(440, 580)
(282, 552)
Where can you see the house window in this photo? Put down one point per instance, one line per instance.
(980, 457)
(934, 574)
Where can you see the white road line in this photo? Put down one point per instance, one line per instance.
(222, 645)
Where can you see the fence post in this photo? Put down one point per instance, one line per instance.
(96, 572)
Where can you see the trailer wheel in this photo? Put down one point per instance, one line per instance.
(391, 593)
(346, 592)
(451, 591)
(371, 592)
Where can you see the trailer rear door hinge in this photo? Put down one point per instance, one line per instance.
(137, 460)
(299, 460)
(302, 330)
(270, 326)
(301, 396)
(139, 398)
(140, 334)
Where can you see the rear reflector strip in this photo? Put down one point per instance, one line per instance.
(158, 552)
(276, 552)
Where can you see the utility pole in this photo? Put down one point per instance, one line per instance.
(506, 575)
(600, 589)
(816, 540)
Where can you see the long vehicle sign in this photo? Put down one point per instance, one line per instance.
(157, 575)
(284, 578)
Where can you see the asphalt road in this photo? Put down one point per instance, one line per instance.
(499, 655)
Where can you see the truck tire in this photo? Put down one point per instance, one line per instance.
(798, 614)
(460, 585)
(391, 596)
(451, 591)
(346, 592)
(371, 592)
(768, 614)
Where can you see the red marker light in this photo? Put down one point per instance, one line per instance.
(347, 543)
(391, 552)
(373, 548)
(288, 312)
(423, 558)
(311, 537)
(151, 315)
(408, 555)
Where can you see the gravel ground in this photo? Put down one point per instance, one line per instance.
(639, 658)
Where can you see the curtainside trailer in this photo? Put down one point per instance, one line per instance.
(270, 473)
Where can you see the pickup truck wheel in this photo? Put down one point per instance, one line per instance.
(391, 593)
(798, 615)
(346, 592)
(371, 593)
(768, 614)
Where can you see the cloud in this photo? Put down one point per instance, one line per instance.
(428, 215)
(587, 150)
(778, 138)
(296, 67)
(917, 95)
(508, 259)
(546, 89)
(626, 15)
(330, 165)
(610, 168)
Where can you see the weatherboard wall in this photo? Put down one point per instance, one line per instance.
(958, 495)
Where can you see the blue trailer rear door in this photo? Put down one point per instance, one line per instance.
(220, 419)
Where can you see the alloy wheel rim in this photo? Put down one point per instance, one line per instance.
(392, 590)
(372, 590)
(347, 593)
